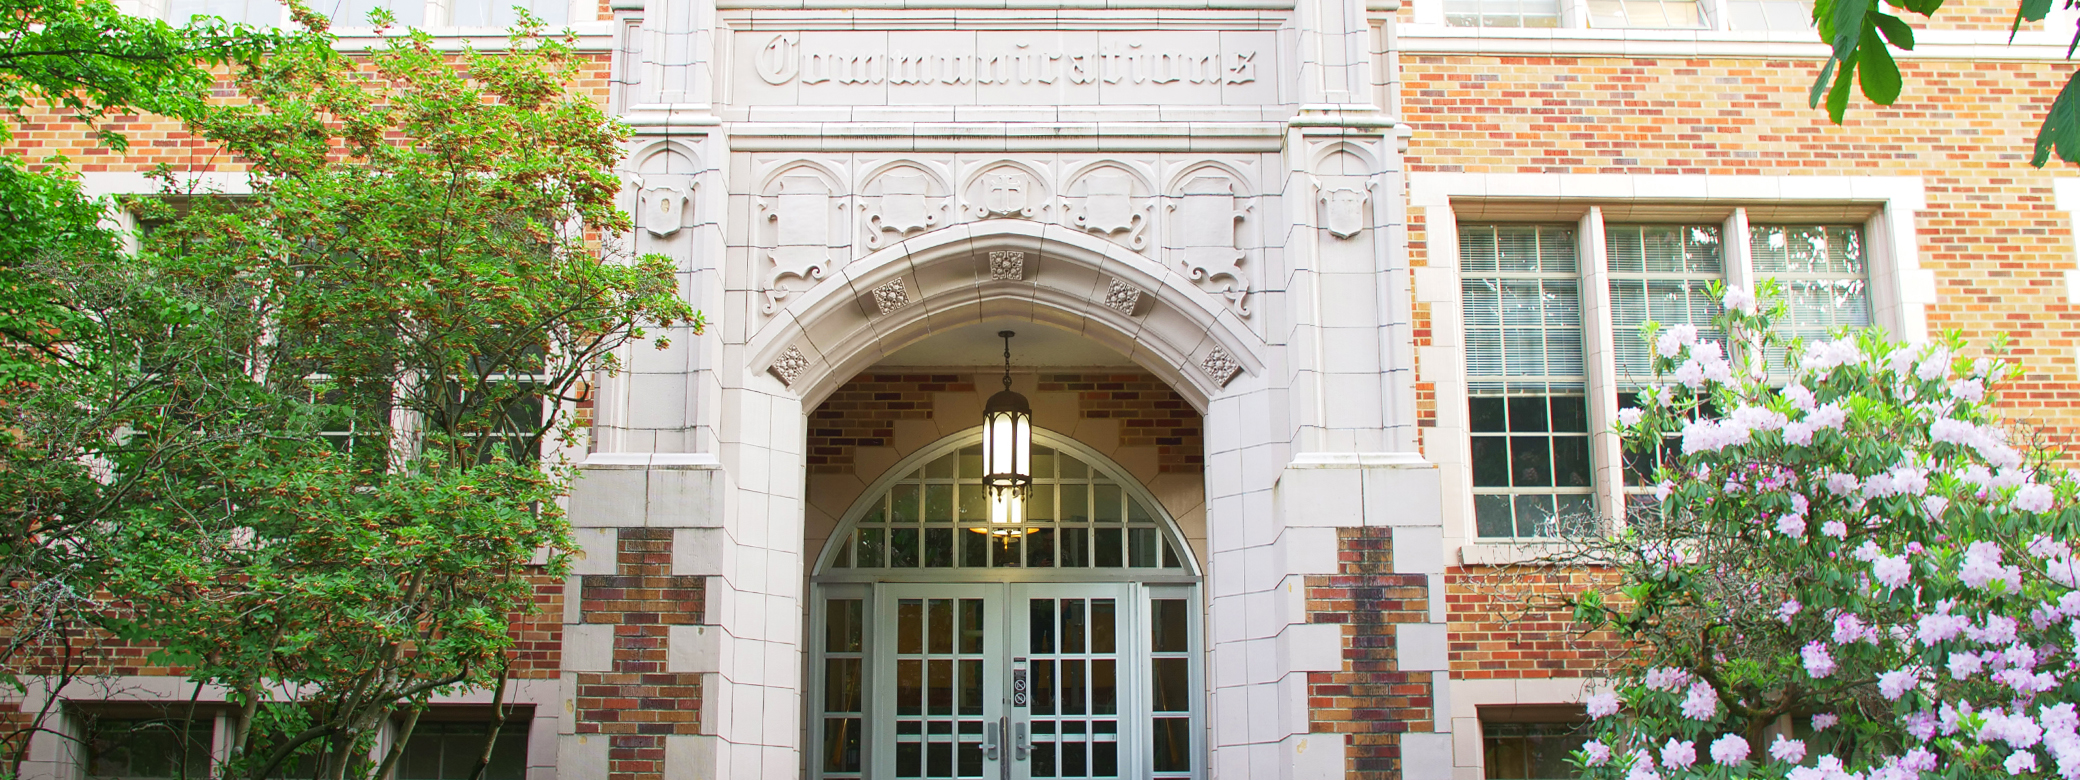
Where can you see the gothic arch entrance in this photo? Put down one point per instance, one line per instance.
(944, 647)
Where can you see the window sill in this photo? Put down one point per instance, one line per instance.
(1503, 553)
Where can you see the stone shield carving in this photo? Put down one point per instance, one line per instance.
(905, 205)
(1110, 207)
(801, 216)
(1004, 191)
(1343, 211)
(665, 210)
(1206, 218)
(1006, 194)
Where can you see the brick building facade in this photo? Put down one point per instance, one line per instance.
(1284, 274)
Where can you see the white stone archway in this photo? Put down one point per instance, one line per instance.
(998, 269)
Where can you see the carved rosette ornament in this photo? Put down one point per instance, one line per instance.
(1122, 297)
(1007, 266)
(1219, 366)
(800, 213)
(891, 295)
(1206, 218)
(1110, 207)
(789, 366)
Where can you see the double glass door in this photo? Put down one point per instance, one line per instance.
(1010, 681)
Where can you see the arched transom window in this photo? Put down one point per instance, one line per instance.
(1077, 516)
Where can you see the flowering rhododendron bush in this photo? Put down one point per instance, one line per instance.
(1851, 538)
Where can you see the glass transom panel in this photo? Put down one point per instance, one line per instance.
(937, 517)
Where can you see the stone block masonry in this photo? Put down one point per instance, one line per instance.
(639, 703)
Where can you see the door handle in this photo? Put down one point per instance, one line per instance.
(989, 740)
(1020, 746)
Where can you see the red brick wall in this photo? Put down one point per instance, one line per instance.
(1508, 622)
(863, 412)
(1370, 701)
(155, 140)
(639, 702)
(1990, 233)
(1150, 414)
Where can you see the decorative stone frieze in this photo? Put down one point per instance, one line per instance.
(789, 366)
(1006, 192)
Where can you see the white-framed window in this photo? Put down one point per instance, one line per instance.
(444, 749)
(1528, 331)
(1538, 284)
(135, 746)
(1531, 742)
(1726, 15)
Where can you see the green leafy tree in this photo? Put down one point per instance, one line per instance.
(64, 307)
(300, 449)
(422, 287)
(1861, 35)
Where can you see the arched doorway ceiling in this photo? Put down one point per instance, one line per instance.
(1006, 269)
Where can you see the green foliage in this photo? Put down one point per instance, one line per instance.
(296, 441)
(1850, 536)
(1860, 35)
(88, 57)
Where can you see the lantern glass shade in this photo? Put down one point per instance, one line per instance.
(1007, 509)
(1007, 448)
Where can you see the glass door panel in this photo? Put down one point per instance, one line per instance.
(940, 678)
(1071, 642)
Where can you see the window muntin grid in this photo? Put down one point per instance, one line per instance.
(1076, 517)
(1824, 273)
(1526, 379)
(1679, 14)
(1502, 13)
(1660, 273)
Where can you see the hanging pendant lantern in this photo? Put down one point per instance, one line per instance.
(1007, 448)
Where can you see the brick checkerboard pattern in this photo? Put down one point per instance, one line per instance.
(639, 703)
(1370, 701)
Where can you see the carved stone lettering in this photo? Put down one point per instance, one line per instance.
(1007, 266)
(784, 58)
(1206, 230)
(801, 218)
